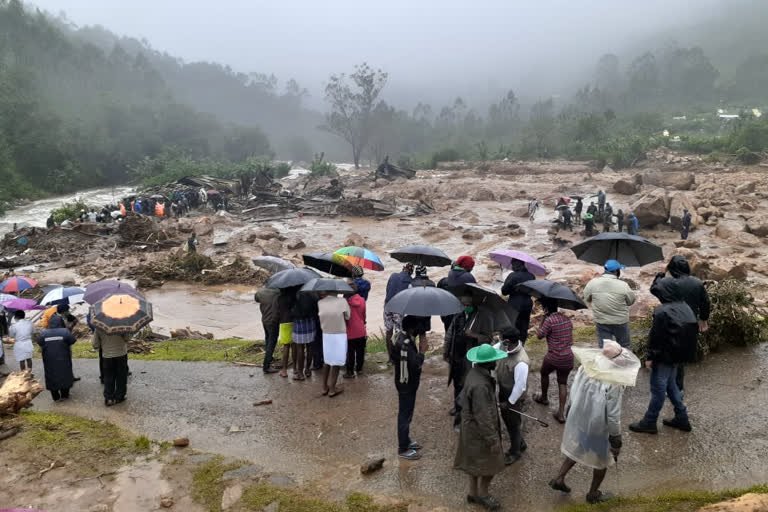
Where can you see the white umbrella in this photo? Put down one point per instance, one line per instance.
(72, 295)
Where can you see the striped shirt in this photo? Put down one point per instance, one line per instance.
(558, 330)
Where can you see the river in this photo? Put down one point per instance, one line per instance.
(35, 213)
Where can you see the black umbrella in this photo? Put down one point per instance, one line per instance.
(325, 262)
(292, 277)
(493, 312)
(327, 286)
(422, 255)
(272, 263)
(541, 288)
(629, 250)
(424, 301)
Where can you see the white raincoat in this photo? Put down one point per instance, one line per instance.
(593, 412)
(22, 331)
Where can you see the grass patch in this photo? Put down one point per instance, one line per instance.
(189, 350)
(94, 445)
(207, 485)
(686, 501)
(294, 500)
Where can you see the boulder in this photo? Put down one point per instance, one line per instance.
(745, 188)
(673, 180)
(520, 211)
(746, 239)
(295, 244)
(472, 235)
(652, 208)
(688, 244)
(758, 226)
(575, 276)
(267, 233)
(626, 187)
(680, 202)
(727, 229)
(271, 248)
(719, 270)
(482, 194)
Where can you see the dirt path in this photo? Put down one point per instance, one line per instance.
(322, 440)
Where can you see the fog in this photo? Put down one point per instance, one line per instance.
(433, 50)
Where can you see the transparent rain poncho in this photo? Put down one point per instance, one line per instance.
(594, 405)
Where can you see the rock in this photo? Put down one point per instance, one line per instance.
(705, 212)
(758, 226)
(574, 276)
(271, 248)
(167, 502)
(181, 442)
(372, 465)
(626, 188)
(520, 211)
(222, 236)
(100, 507)
(472, 235)
(607, 169)
(267, 233)
(748, 503)
(727, 229)
(231, 496)
(746, 239)
(652, 208)
(679, 202)
(688, 244)
(250, 238)
(745, 188)
(272, 507)
(674, 180)
(356, 240)
(200, 458)
(720, 270)
(244, 472)
(281, 480)
(295, 244)
(482, 194)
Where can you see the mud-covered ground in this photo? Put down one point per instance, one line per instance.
(321, 440)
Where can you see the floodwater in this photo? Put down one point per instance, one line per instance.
(36, 212)
(322, 441)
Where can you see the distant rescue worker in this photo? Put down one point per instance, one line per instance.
(578, 209)
(686, 224)
(567, 219)
(589, 224)
(633, 225)
(50, 223)
(601, 202)
(592, 209)
(533, 205)
(620, 221)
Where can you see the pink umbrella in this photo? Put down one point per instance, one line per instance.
(504, 258)
(22, 304)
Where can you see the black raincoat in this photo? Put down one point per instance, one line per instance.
(690, 288)
(57, 354)
(672, 339)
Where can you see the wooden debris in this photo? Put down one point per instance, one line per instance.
(181, 442)
(266, 401)
(9, 433)
(55, 464)
(17, 391)
(372, 465)
(241, 363)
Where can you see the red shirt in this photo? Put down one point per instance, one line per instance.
(558, 330)
(356, 322)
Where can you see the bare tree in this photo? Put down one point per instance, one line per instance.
(352, 106)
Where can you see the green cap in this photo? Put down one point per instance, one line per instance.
(485, 354)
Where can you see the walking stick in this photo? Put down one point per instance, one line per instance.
(542, 423)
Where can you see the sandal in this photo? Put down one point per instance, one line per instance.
(540, 400)
(559, 487)
(558, 418)
(308, 372)
(489, 502)
(337, 393)
(298, 376)
(284, 374)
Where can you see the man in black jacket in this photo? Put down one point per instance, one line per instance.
(693, 293)
(519, 301)
(407, 361)
(672, 341)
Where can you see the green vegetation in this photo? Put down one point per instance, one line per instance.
(69, 211)
(292, 500)
(189, 350)
(66, 438)
(320, 168)
(736, 318)
(207, 485)
(688, 501)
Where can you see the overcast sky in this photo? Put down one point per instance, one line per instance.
(434, 47)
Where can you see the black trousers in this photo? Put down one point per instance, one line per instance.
(522, 324)
(115, 377)
(514, 422)
(59, 394)
(457, 376)
(407, 403)
(271, 332)
(680, 377)
(316, 351)
(356, 354)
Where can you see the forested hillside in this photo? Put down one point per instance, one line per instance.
(73, 115)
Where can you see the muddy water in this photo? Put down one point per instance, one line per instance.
(36, 212)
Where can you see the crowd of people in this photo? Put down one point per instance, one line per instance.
(489, 372)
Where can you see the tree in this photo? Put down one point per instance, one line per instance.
(643, 78)
(504, 115)
(607, 74)
(542, 124)
(689, 76)
(352, 106)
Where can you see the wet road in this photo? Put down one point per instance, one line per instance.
(323, 440)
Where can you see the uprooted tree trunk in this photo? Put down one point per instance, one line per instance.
(17, 391)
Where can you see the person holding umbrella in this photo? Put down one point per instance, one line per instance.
(458, 341)
(408, 361)
(267, 298)
(334, 313)
(512, 376)
(592, 435)
(397, 282)
(479, 451)
(558, 329)
(611, 299)
(114, 367)
(520, 301)
(55, 342)
(22, 331)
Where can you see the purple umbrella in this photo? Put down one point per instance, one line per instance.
(22, 304)
(504, 258)
(99, 290)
